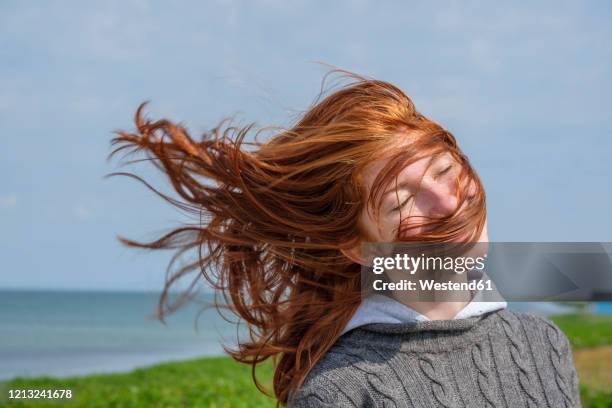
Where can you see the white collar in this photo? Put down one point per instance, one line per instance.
(377, 308)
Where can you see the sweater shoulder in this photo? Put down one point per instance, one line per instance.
(336, 380)
(537, 327)
(531, 320)
(320, 388)
(318, 391)
(546, 338)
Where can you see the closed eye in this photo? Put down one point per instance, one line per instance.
(446, 170)
(402, 205)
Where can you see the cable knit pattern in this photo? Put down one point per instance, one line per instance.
(500, 359)
(318, 396)
(385, 389)
(440, 385)
(556, 356)
(518, 351)
(485, 374)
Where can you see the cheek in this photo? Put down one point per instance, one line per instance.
(388, 227)
(384, 229)
(411, 224)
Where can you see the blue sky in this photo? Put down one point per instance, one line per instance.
(524, 87)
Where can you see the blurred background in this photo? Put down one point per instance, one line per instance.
(523, 87)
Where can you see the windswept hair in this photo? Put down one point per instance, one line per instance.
(272, 217)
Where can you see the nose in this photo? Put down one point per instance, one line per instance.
(438, 198)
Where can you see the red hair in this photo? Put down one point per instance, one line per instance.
(272, 218)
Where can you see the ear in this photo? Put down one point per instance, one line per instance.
(354, 254)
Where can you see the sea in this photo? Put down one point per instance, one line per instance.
(70, 333)
(67, 333)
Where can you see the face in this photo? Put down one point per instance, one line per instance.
(420, 192)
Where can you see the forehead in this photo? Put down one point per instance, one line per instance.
(371, 170)
(413, 171)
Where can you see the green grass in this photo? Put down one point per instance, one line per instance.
(586, 330)
(593, 334)
(595, 398)
(205, 382)
(221, 382)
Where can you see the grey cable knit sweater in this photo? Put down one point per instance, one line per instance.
(499, 359)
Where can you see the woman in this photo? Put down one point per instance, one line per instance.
(278, 231)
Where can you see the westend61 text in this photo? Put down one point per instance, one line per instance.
(430, 284)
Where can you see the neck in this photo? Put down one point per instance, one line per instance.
(440, 305)
(437, 310)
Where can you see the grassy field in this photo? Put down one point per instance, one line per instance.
(220, 382)
(591, 339)
(206, 382)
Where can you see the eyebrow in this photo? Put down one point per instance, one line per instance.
(395, 188)
(409, 183)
